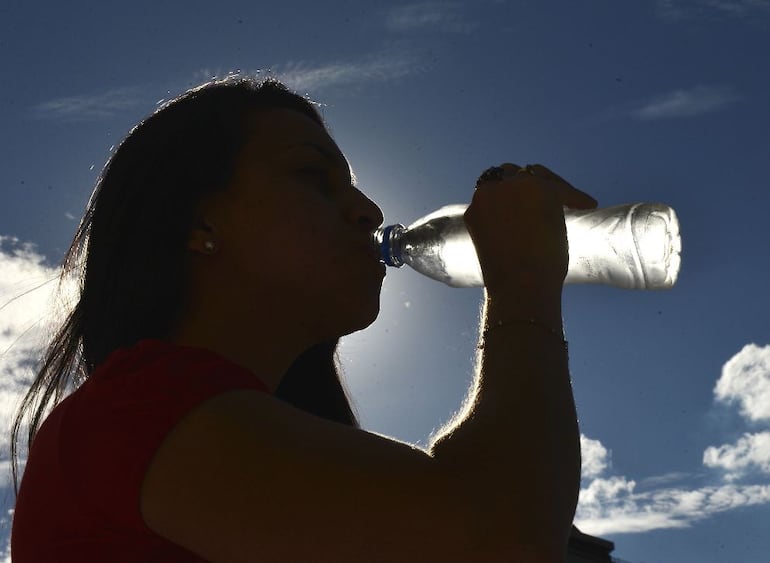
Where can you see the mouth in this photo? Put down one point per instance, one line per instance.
(373, 258)
(372, 249)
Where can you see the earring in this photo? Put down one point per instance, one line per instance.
(209, 246)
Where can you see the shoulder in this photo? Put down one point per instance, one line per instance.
(163, 363)
(119, 417)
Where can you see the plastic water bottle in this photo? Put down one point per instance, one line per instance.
(632, 246)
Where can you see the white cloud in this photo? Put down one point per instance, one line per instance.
(29, 301)
(673, 10)
(745, 380)
(595, 457)
(419, 16)
(687, 103)
(612, 504)
(666, 478)
(750, 452)
(88, 107)
(303, 77)
(739, 7)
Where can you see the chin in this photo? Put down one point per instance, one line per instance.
(363, 317)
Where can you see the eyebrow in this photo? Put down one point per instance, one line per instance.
(315, 146)
(329, 156)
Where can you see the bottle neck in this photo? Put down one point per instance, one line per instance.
(389, 240)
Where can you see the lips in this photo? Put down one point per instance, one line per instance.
(373, 258)
(372, 249)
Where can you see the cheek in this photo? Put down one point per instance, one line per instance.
(298, 245)
(298, 254)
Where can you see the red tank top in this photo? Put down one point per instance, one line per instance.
(80, 493)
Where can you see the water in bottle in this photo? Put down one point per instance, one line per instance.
(633, 246)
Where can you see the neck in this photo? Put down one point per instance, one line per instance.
(267, 352)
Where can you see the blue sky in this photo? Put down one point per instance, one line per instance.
(654, 100)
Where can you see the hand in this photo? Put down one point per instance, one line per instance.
(516, 222)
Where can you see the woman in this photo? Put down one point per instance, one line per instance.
(225, 250)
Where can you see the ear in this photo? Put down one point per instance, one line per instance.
(203, 238)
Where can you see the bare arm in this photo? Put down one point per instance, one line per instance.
(245, 477)
(520, 436)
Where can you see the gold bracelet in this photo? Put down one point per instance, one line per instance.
(532, 322)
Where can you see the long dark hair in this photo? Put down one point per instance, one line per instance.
(128, 254)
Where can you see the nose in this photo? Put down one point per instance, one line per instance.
(365, 214)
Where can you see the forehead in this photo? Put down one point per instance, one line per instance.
(276, 131)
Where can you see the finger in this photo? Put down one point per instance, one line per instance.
(491, 174)
(570, 195)
(497, 173)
